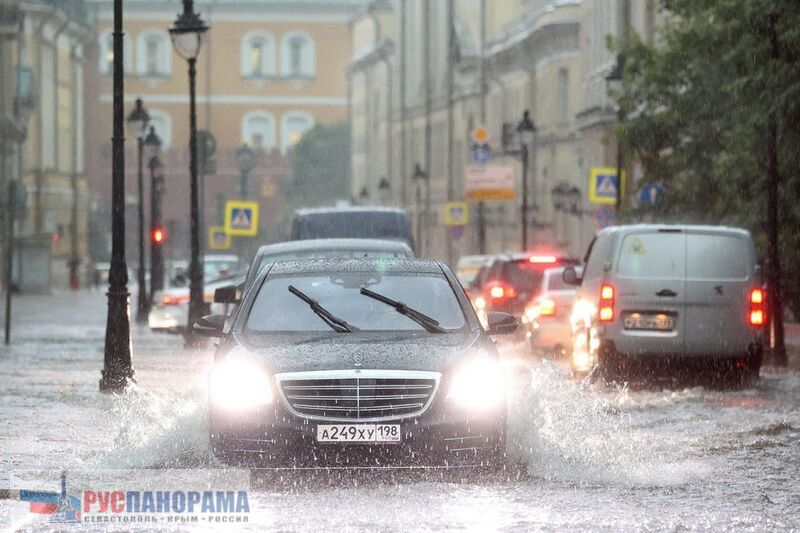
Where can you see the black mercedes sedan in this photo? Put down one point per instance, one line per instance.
(357, 363)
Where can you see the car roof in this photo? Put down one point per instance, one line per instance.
(633, 228)
(333, 244)
(312, 266)
(221, 257)
(349, 209)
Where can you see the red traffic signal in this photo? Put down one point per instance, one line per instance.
(159, 235)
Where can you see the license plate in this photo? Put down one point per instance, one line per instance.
(657, 322)
(358, 433)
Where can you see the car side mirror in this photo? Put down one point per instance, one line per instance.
(225, 295)
(210, 326)
(501, 323)
(570, 276)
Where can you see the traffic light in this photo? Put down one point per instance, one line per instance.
(159, 235)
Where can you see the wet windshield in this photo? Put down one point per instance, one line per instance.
(275, 309)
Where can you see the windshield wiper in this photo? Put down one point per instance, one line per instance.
(431, 325)
(336, 324)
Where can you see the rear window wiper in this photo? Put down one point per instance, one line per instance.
(336, 324)
(431, 325)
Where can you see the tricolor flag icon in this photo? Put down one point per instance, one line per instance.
(62, 507)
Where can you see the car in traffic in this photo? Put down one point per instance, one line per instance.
(360, 222)
(513, 278)
(669, 299)
(547, 315)
(322, 248)
(357, 363)
(169, 308)
(468, 267)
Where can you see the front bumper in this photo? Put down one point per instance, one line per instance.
(168, 318)
(274, 438)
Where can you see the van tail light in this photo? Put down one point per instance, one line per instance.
(501, 291)
(757, 313)
(606, 308)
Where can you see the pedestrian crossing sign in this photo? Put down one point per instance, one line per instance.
(218, 239)
(241, 218)
(603, 184)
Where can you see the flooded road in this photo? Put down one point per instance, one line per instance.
(582, 457)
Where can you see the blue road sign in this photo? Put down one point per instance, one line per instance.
(480, 154)
(604, 217)
(652, 193)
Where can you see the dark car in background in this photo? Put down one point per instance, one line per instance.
(514, 278)
(353, 222)
(357, 363)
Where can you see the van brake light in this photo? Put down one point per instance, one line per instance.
(757, 311)
(606, 310)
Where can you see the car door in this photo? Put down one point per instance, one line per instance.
(649, 290)
(719, 266)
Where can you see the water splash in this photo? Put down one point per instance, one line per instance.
(565, 430)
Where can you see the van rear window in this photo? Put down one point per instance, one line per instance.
(653, 256)
(717, 257)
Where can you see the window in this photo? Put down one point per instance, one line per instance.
(295, 124)
(258, 130)
(563, 95)
(258, 55)
(153, 53)
(297, 55)
(107, 53)
(162, 123)
(653, 256)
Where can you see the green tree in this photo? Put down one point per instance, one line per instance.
(699, 108)
(320, 172)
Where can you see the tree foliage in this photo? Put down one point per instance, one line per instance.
(697, 106)
(320, 171)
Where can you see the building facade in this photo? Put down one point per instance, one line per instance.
(268, 71)
(425, 74)
(42, 79)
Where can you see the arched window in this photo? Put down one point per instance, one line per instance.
(107, 53)
(258, 55)
(293, 126)
(258, 130)
(153, 53)
(297, 55)
(162, 123)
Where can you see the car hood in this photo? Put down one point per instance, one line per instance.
(396, 352)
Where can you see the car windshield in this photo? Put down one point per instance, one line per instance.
(275, 309)
(524, 276)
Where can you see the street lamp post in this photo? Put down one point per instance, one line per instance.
(614, 82)
(138, 121)
(526, 130)
(117, 368)
(420, 178)
(187, 34)
(153, 144)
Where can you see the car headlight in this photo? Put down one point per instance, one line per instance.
(478, 385)
(238, 384)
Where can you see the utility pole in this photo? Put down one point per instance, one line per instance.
(403, 109)
(12, 197)
(774, 271)
(426, 30)
(482, 66)
(451, 59)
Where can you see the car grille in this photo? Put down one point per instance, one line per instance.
(362, 395)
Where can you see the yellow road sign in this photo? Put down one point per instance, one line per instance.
(456, 214)
(603, 184)
(241, 218)
(218, 239)
(480, 135)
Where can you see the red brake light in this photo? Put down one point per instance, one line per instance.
(606, 312)
(757, 313)
(543, 259)
(175, 299)
(500, 291)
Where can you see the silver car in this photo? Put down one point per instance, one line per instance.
(668, 298)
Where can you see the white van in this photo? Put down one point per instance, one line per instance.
(668, 296)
